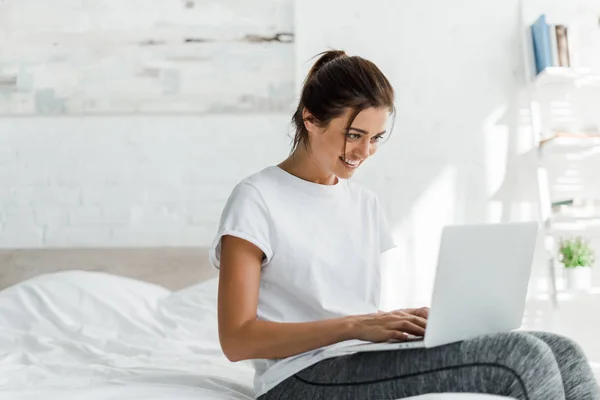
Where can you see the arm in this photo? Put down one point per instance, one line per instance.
(242, 336)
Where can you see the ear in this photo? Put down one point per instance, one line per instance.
(310, 122)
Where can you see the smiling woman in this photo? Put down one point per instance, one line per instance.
(299, 251)
(337, 149)
(340, 128)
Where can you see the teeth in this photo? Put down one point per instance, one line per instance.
(351, 162)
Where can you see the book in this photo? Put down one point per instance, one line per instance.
(557, 204)
(563, 46)
(541, 44)
(553, 45)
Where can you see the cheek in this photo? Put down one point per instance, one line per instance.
(327, 148)
(335, 146)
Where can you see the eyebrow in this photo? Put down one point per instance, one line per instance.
(363, 131)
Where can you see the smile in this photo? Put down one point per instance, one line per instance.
(350, 163)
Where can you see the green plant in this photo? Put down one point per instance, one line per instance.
(576, 252)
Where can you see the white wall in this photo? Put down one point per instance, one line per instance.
(149, 56)
(143, 180)
(459, 72)
(96, 174)
(127, 181)
(456, 69)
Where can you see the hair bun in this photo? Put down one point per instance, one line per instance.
(325, 57)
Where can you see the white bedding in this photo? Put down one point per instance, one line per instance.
(88, 335)
(75, 334)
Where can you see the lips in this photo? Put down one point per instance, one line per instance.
(350, 163)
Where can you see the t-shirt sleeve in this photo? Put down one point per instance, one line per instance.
(245, 216)
(386, 240)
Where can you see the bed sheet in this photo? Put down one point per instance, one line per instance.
(89, 335)
(77, 334)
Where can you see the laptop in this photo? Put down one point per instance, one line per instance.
(480, 285)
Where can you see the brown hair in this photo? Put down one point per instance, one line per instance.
(335, 83)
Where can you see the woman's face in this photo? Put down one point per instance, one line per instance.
(362, 140)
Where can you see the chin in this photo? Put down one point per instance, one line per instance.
(345, 174)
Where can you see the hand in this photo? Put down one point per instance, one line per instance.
(387, 326)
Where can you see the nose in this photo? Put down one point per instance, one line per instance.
(364, 149)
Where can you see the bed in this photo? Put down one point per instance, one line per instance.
(116, 324)
(113, 323)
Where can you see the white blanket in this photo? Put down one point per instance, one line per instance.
(87, 335)
(75, 334)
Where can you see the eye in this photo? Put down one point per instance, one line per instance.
(377, 138)
(353, 136)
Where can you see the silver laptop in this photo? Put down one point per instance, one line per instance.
(480, 284)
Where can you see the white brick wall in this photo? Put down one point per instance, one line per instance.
(120, 181)
(127, 181)
(142, 180)
(149, 56)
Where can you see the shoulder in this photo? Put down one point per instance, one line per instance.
(260, 179)
(253, 186)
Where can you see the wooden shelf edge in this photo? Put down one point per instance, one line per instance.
(569, 135)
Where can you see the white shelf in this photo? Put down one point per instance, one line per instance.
(569, 140)
(572, 228)
(590, 210)
(565, 76)
(567, 295)
(558, 218)
(573, 219)
(570, 146)
(566, 132)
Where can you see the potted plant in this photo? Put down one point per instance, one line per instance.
(577, 256)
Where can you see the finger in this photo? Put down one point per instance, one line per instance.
(422, 312)
(397, 336)
(399, 315)
(413, 329)
(422, 322)
(402, 312)
(409, 327)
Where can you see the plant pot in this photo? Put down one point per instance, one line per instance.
(579, 278)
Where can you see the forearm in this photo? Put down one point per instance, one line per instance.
(271, 340)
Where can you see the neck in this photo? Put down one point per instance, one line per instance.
(302, 164)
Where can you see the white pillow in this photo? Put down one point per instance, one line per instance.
(71, 299)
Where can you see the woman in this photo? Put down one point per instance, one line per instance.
(298, 249)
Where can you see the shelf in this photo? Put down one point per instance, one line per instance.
(567, 295)
(573, 228)
(558, 218)
(566, 135)
(566, 139)
(571, 218)
(553, 76)
(576, 207)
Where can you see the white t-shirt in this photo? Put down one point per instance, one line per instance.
(322, 245)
